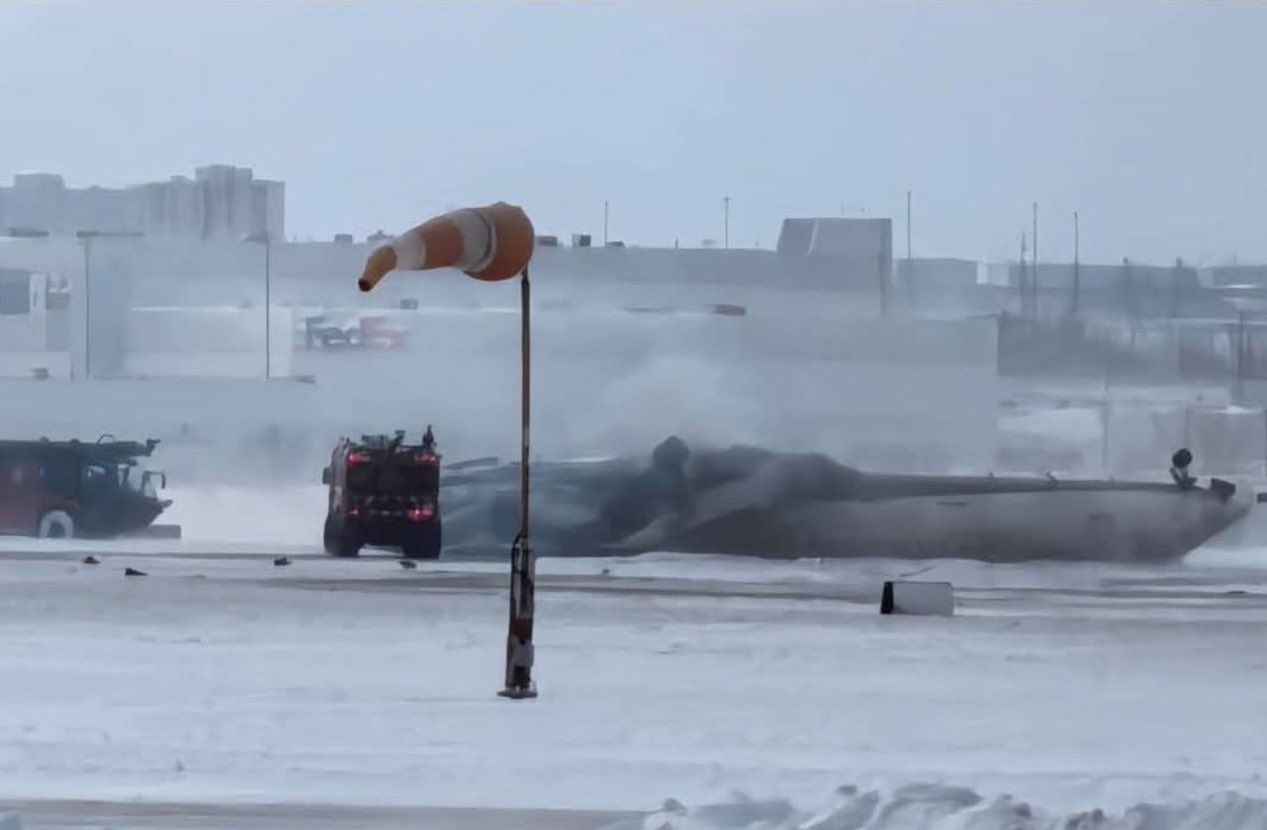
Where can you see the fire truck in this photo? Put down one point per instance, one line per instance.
(383, 492)
(75, 489)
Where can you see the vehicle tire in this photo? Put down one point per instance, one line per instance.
(57, 524)
(328, 539)
(339, 543)
(426, 545)
(348, 548)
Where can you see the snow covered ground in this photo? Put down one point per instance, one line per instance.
(220, 678)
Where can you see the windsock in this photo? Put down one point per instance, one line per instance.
(490, 243)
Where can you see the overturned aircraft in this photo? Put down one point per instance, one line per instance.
(749, 501)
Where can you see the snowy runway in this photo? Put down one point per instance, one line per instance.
(221, 679)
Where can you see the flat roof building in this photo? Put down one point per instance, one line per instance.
(219, 202)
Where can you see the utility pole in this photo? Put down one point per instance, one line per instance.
(1128, 289)
(605, 215)
(910, 262)
(268, 307)
(1240, 357)
(1020, 276)
(1077, 284)
(1034, 281)
(87, 309)
(1176, 289)
(726, 221)
(908, 224)
(1106, 415)
(266, 239)
(87, 236)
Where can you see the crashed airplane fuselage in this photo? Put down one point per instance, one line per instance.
(750, 501)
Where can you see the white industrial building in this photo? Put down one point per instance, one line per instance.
(219, 202)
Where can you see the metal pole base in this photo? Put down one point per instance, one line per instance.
(519, 660)
(520, 652)
(519, 693)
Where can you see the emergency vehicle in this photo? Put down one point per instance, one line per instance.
(383, 492)
(75, 489)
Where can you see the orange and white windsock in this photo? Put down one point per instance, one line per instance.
(489, 243)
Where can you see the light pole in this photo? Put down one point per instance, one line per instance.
(1021, 289)
(86, 236)
(490, 244)
(606, 207)
(726, 221)
(910, 262)
(1034, 283)
(1240, 357)
(1077, 276)
(265, 238)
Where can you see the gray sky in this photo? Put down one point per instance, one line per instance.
(1146, 117)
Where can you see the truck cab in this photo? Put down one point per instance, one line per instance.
(74, 489)
(383, 492)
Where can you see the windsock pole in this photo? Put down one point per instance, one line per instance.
(523, 566)
(490, 244)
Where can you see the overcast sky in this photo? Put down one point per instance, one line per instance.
(1146, 117)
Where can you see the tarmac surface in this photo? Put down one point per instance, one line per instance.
(448, 575)
(134, 815)
(1231, 596)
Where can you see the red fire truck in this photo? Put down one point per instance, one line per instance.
(69, 489)
(383, 492)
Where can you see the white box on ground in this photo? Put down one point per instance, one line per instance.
(925, 598)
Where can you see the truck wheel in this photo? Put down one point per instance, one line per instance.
(328, 539)
(338, 544)
(426, 545)
(57, 524)
(347, 548)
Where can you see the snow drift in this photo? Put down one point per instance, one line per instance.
(939, 807)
